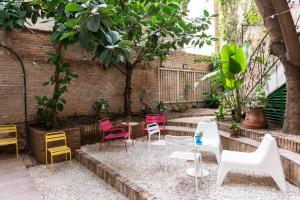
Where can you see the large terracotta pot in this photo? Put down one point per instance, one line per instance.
(255, 119)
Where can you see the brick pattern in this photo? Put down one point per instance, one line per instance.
(120, 183)
(93, 83)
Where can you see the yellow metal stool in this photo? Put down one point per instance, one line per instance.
(9, 129)
(59, 150)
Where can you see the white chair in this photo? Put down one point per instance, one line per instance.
(154, 129)
(265, 159)
(188, 143)
(210, 134)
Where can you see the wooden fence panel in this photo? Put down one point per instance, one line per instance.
(177, 85)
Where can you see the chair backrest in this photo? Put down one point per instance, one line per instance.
(156, 118)
(179, 140)
(55, 136)
(151, 118)
(153, 128)
(161, 119)
(267, 148)
(105, 124)
(210, 131)
(6, 129)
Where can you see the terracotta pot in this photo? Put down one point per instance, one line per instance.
(255, 119)
(234, 133)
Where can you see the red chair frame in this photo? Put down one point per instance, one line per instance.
(160, 119)
(112, 132)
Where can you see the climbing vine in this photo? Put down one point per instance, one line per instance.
(252, 16)
(229, 20)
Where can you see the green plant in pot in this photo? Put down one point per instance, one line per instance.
(255, 114)
(234, 130)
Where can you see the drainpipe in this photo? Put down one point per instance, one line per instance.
(24, 93)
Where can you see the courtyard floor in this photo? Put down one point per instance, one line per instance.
(146, 168)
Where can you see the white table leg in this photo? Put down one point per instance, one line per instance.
(129, 140)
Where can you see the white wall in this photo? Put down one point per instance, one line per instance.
(277, 79)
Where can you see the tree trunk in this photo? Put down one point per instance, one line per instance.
(292, 112)
(127, 90)
(58, 51)
(285, 45)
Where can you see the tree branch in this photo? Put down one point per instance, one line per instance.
(119, 70)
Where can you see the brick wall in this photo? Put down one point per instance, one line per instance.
(93, 83)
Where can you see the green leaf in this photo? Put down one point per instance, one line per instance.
(46, 83)
(71, 23)
(67, 35)
(74, 74)
(73, 7)
(60, 107)
(93, 23)
(206, 13)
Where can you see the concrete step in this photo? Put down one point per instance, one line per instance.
(189, 121)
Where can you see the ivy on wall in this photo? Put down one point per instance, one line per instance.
(252, 16)
(234, 13)
(229, 20)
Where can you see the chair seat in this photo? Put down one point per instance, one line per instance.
(243, 158)
(6, 141)
(162, 128)
(184, 155)
(117, 135)
(59, 150)
(159, 143)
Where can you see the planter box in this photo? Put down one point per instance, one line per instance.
(37, 141)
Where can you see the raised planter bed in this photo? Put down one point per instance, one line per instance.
(37, 141)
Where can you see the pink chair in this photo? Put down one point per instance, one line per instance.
(160, 119)
(112, 132)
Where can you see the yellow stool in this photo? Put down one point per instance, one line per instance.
(59, 150)
(9, 140)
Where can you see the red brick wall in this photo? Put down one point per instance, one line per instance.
(93, 83)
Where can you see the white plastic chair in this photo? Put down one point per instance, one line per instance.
(188, 143)
(210, 134)
(265, 159)
(154, 129)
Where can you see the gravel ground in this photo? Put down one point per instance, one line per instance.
(146, 168)
(71, 182)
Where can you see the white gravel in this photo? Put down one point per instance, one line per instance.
(71, 182)
(146, 168)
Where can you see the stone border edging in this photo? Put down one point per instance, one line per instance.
(120, 183)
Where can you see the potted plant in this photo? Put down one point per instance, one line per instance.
(234, 130)
(255, 114)
(198, 137)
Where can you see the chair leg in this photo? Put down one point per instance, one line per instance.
(101, 144)
(70, 157)
(17, 151)
(217, 154)
(221, 174)
(132, 142)
(125, 145)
